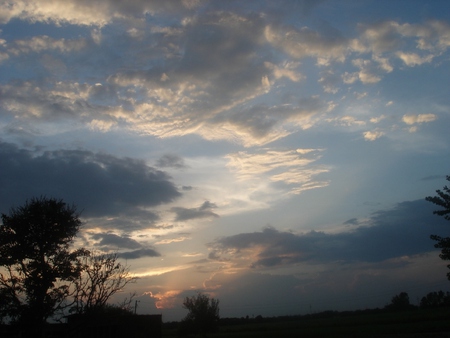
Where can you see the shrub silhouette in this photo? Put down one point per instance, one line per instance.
(203, 315)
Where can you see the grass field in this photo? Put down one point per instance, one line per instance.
(417, 323)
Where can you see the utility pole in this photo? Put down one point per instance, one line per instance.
(135, 305)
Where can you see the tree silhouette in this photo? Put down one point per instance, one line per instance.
(102, 276)
(435, 299)
(37, 265)
(400, 302)
(203, 315)
(443, 200)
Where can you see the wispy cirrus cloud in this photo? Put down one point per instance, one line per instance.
(294, 168)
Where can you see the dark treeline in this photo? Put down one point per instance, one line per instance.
(399, 303)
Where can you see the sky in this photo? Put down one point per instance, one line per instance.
(275, 155)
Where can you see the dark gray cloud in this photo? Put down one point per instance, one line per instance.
(352, 221)
(140, 253)
(204, 211)
(171, 161)
(115, 241)
(433, 178)
(402, 231)
(99, 184)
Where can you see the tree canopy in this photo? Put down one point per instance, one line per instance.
(400, 302)
(37, 264)
(203, 314)
(443, 200)
(102, 276)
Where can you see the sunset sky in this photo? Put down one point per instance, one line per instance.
(273, 154)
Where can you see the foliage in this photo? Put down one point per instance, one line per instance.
(203, 315)
(36, 263)
(400, 302)
(102, 276)
(442, 200)
(435, 299)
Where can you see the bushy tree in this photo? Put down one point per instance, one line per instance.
(203, 315)
(400, 302)
(443, 200)
(102, 276)
(36, 263)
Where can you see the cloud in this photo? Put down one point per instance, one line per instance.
(305, 42)
(433, 177)
(99, 184)
(330, 81)
(262, 124)
(337, 287)
(171, 161)
(180, 238)
(415, 120)
(294, 168)
(81, 12)
(402, 231)
(39, 44)
(288, 70)
(372, 135)
(139, 254)
(204, 90)
(382, 37)
(55, 106)
(109, 240)
(199, 75)
(412, 59)
(352, 221)
(379, 118)
(204, 211)
(388, 36)
(420, 118)
(368, 71)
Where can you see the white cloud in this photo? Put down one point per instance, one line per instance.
(372, 135)
(367, 73)
(384, 63)
(387, 36)
(350, 121)
(420, 118)
(382, 37)
(367, 77)
(288, 70)
(43, 43)
(377, 119)
(102, 126)
(293, 168)
(305, 42)
(350, 78)
(82, 12)
(413, 59)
